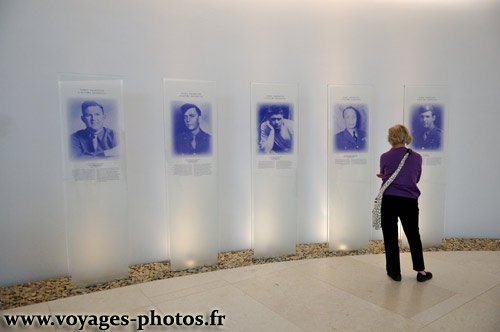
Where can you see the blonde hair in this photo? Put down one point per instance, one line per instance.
(399, 134)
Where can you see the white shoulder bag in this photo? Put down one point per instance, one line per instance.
(377, 207)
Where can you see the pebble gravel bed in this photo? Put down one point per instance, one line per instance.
(52, 289)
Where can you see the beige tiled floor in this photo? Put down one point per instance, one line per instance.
(331, 294)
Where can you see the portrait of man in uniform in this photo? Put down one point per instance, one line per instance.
(192, 139)
(352, 137)
(427, 133)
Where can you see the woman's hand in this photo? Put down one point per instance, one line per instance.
(380, 175)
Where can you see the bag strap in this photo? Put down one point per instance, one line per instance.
(393, 176)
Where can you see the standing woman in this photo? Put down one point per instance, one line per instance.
(401, 200)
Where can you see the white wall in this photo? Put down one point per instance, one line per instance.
(313, 43)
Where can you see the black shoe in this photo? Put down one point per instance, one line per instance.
(424, 277)
(395, 276)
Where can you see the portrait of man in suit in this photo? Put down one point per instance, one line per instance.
(95, 141)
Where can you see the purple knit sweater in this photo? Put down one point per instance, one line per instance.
(405, 184)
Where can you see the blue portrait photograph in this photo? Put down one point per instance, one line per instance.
(426, 126)
(191, 128)
(275, 128)
(93, 125)
(350, 127)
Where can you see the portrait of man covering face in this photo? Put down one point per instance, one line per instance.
(275, 131)
(95, 141)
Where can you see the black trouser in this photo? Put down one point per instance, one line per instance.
(407, 210)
